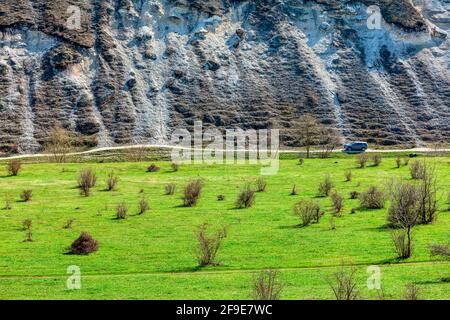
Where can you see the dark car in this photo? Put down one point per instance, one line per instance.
(355, 147)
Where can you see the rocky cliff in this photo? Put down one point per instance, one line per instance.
(135, 69)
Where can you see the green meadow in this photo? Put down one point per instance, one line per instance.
(153, 256)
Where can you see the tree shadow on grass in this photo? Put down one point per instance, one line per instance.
(296, 226)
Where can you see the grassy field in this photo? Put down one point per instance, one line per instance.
(152, 256)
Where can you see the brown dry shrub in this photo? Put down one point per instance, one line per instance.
(13, 167)
(344, 284)
(111, 181)
(209, 245)
(121, 211)
(86, 180)
(348, 176)
(308, 211)
(26, 195)
(372, 199)
(325, 186)
(153, 168)
(192, 193)
(143, 206)
(417, 170)
(169, 189)
(266, 286)
(338, 203)
(84, 244)
(362, 159)
(376, 159)
(411, 292)
(246, 198)
(261, 185)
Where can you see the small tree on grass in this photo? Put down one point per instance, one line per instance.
(411, 292)
(403, 214)
(266, 286)
(372, 199)
(86, 180)
(427, 191)
(398, 162)
(308, 129)
(192, 193)
(362, 159)
(417, 170)
(261, 185)
(28, 228)
(60, 144)
(325, 186)
(343, 284)
(246, 198)
(308, 211)
(209, 245)
(26, 195)
(348, 176)
(143, 206)
(112, 181)
(13, 167)
(376, 159)
(84, 245)
(338, 203)
(121, 211)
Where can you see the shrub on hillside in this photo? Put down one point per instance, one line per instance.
(325, 186)
(417, 170)
(86, 180)
(266, 286)
(121, 211)
(220, 197)
(376, 159)
(143, 206)
(348, 176)
(354, 195)
(192, 193)
(13, 167)
(308, 211)
(441, 250)
(338, 203)
(411, 292)
(111, 181)
(362, 159)
(261, 185)
(246, 198)
(69, 224)
(372, 199)
(26, 195)
(344, 284)
(153, 168)
(209, 245)
(83, 245)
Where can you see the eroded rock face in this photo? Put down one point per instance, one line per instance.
(136, 69)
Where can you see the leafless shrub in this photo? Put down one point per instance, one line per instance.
(192, 193)
(209, 245)
(175, 166)
(344, 284)
(13, 167)
(111, 181)
(442, 250)
(328, 140)
(301, 161)
(412, 292)
(348, 176)
(143, 206)
(427, 191)
(69, 224)
(28, 228)
(294, 191)
(308, 211)
(354, 195)
(60, 144)
(372, 199)
(8, 203)
(325, 186)
(338, 202)
(86, 180)
(417, 169)
(153, 168)
(246, 198)
(121, 211)
(404, 204)
(406, 162)
(137, 154)
(261, 185)
(362, 159)
(266, 286)
(170, 189)
(376, 159)
(220, 197)
(402, 246)
(83, 245)
(398, 162)
(26, 195)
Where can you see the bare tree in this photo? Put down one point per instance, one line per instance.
(60, 143)
(344, 285)
(266, 286)
(427, 195)
(309, 128)
(328, 140)
(208, 245)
